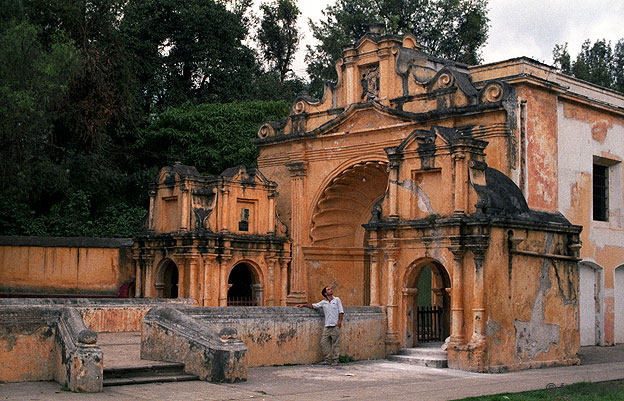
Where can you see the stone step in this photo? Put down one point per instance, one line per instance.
(163, 372)
(428, 354)
(424, 352)
(430, 362)
(124, 381)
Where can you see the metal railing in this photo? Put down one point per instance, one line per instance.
(429, 324)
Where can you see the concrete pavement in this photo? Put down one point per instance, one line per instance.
(364, 380)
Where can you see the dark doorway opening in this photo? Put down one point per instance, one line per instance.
(240, 283)
(170, 279)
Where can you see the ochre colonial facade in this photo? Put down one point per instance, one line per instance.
(215, 240)
(483, 204)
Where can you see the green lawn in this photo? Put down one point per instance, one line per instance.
(604, 391)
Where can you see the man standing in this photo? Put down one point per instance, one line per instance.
(330, 340)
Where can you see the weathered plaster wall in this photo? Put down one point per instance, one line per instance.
(26, 352)
(541, 147)
(532, 303)
(586, 133)
(278, 336)
(71, 266)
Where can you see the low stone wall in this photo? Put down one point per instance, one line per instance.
(35, 266)
(290, 335)
(103, 314)
(49, 343)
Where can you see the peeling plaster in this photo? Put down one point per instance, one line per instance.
(535, 337)
(424, 202)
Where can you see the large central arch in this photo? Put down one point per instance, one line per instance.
(346, 204)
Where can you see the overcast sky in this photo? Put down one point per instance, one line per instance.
(520, 27)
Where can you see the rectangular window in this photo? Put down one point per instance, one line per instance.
(601, 192)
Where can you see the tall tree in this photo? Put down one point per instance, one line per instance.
(451, 29)
(278, 34)
(188, 50)
(597, 62)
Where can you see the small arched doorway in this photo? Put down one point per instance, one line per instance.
(591, 308)
(167, 285)
(243, 287)
(426, 303)
(619, 304)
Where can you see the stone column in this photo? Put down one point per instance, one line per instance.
(270, 261)
(150, 219)
(207, 282)
(374, 278)
(394, 159)
(298, 274)
(271, 228)
(148, 285)
(478, 310)
(184, 209)
(461, 184)
(283, 280)
(223, 280)
(457, 302)
(138, 278)
(182, 288)
(193, 282)
(223, 208)
(411, 335)
(391, 304)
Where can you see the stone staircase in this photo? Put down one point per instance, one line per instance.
(123, 364)
(427, 354)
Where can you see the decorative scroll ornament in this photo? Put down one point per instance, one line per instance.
(265, 130)
(493, 92)
(370, 83)
(299, 107)
(445, 80)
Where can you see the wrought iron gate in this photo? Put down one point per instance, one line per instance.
(429, 324)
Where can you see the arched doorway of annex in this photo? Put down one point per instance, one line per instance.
(426, 303)
(618, 294)
(167, 279)
(343, 203)
(591, 303)
(245, 285)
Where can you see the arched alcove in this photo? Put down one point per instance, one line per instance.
(426, 302)
(346, 204)
(167, 280)
(244, 287)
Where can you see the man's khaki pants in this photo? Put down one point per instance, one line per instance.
(330, 343)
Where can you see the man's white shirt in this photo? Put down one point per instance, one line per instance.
(332, 310)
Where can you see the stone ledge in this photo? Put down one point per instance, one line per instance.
(67, 242)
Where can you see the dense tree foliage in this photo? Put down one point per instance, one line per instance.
(278, 35)
(89, 85)
(97, 95)
(451, 29)
(598, 63)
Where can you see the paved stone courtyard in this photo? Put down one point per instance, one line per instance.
(364, 380)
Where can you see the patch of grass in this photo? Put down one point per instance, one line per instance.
(345, 358)
(65, 387)
(603, 391)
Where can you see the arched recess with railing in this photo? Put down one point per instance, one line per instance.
(245, 285)
(426, 302)
(167, 279)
